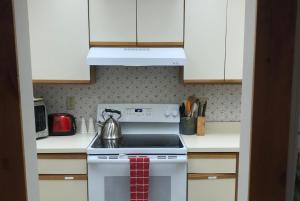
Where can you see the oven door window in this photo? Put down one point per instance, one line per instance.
(116, 188)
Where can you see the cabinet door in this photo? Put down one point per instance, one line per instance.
(112, 22)
(63, 188)
(211, 188)
(235, 40)
(59, 40)
(160, 22)
(205, 33)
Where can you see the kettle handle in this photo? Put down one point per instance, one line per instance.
(112, 111)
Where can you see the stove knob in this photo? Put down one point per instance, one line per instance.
(174, 113)
(167, 114)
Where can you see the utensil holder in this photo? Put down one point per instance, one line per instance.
(201, 121)
(187, 126)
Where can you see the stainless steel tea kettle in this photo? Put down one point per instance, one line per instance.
(110, 128)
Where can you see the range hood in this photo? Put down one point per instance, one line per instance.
(136, 57)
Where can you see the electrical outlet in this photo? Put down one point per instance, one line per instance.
(70, 102)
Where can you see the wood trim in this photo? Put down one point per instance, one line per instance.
(93, 75)
(212, 81)
(135, 44)
(61, 81)
(12, 163)
(62, 156)
(272, 92)
(197, 155)
(197, 176)
(63, 177)
(160, 44)
(112, 44)
(237, 175)
(91, 81)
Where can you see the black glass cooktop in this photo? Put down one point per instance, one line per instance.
(141, 141)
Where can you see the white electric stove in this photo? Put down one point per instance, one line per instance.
(148, 130)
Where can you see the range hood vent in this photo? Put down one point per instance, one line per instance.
(136, 57)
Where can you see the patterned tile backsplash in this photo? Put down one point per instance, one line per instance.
(140, 85)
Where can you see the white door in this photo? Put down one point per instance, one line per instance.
(112, 22)
(59, 40)
(160, 21)
(211, 189)
(109, 179)
(235, 40)
(205, 35)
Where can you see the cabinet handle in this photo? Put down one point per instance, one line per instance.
(69, 178)
(212, 177)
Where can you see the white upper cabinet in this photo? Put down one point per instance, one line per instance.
(235, 40)
(112, 21)
(59, 40)
(160, 21)
(205, 37)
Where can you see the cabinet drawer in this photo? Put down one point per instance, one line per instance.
(212, 163)
(211, 187)
(62, 164)
(74, 187)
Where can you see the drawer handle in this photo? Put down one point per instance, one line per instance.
(212, 177)
(69, 178)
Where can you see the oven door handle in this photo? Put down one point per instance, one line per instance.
(118, 161)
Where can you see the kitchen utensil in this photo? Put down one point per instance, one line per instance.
(61, 124)
(199, 108)
(182, 110)
(188, 106)
(204, 109)
(194, 109)
(110, 128)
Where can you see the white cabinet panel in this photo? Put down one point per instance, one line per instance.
(59, 39)
(205, 35)
(211, 190)
(211, 165)
(235, 39)
(112, 20)
(63, 190)
(160, 20)
(62, 166)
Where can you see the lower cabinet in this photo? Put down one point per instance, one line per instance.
(63, 187)
(212, 176)
(211, 187)
(63, 177)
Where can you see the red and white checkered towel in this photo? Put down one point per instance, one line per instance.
(139, 178)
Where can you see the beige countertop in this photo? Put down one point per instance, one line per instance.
(219, 137)
(77, 143)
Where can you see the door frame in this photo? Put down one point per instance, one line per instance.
(17, 80)
(268, 70)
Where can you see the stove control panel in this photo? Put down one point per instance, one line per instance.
(143, 112)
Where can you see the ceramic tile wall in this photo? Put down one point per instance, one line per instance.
(140, 85)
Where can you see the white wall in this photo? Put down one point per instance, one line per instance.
(26, 93)
(247, 97)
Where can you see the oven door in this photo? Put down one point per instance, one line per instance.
(108, 178)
